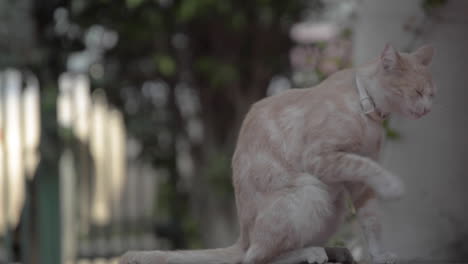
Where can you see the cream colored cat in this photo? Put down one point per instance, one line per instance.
(300, 151)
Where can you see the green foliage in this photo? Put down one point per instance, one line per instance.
(49, 99)
(336, 242)
(218, 172)
(167, 195)
(65, 133)
(218, 72)
(238, 21)
(164, 196)
(191, 9)
(433, 4)
(165, 64)
(391, 133)
(133, 3)
(347, 33)
(192, 230)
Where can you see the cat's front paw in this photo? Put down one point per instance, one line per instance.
(316, 256)
(384, 258)
(389, 187)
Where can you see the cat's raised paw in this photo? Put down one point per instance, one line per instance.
(389, 187)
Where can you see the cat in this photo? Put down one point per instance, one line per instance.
(299, 153)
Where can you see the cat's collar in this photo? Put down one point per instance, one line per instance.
(368, 106)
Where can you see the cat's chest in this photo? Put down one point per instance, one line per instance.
(372, 139)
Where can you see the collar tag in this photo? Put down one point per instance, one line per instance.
(367, 105)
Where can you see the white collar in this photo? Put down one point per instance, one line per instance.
(368, 106)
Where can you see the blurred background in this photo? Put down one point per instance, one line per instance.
(118, 119)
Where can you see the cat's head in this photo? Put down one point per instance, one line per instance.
(406, 80)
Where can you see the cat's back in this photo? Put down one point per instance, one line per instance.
(262, 117)
(286, 121)
(334, 95)
(339, 88)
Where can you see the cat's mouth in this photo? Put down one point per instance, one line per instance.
(417, 115)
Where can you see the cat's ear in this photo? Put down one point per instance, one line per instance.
(424, 54)
(389, 58)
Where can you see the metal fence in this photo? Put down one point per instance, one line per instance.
(101, 201)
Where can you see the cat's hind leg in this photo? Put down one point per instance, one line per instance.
(290, 220)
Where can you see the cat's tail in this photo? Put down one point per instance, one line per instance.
(229, 255)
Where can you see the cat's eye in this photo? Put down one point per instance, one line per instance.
(419, 92)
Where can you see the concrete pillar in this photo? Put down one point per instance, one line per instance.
(431, 221)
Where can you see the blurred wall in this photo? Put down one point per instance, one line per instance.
(431, 221)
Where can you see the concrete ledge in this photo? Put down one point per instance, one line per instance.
(318, 255)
